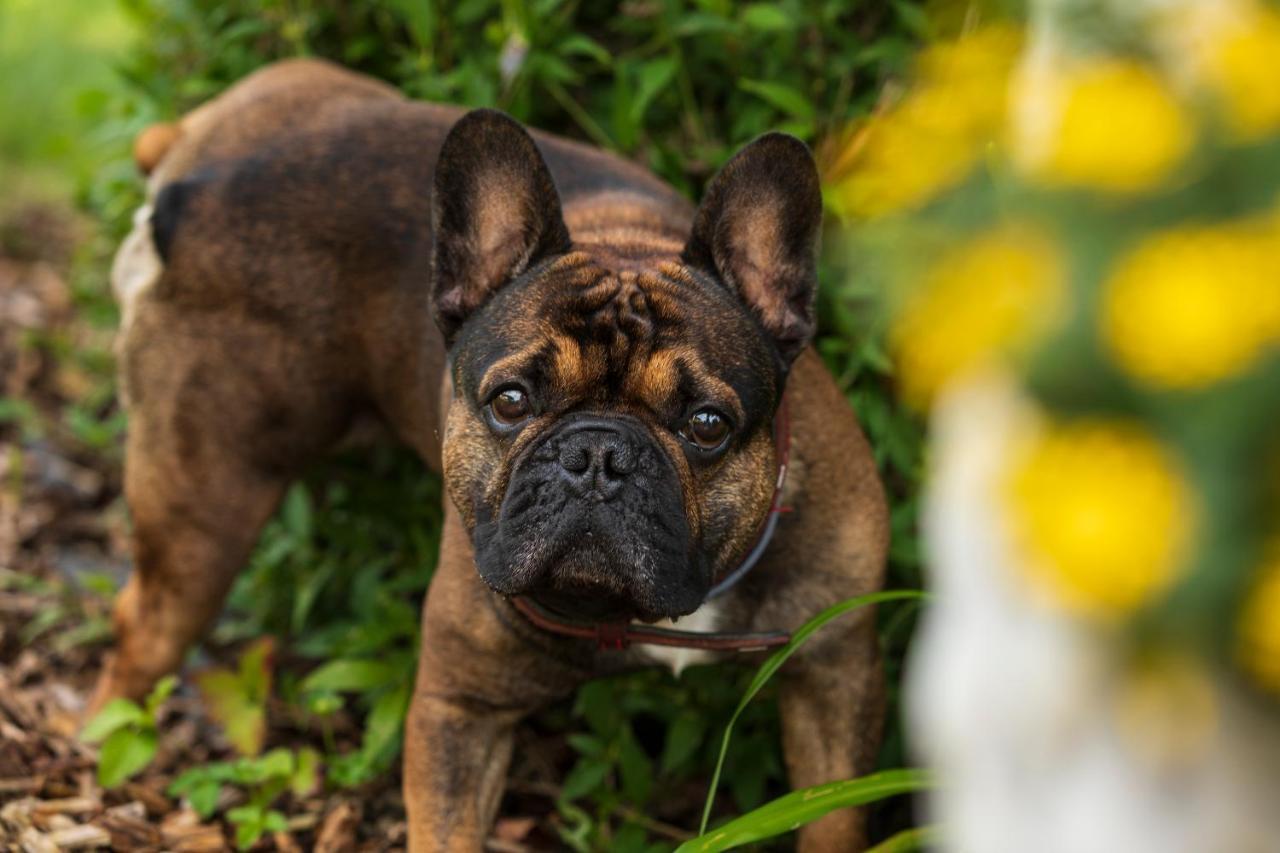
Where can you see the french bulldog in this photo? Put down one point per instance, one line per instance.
(618, 388)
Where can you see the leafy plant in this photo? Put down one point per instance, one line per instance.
(237, 699)
(129, 734)
(786, 813)
(263, 779)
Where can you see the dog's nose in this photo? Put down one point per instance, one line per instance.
(596, 460)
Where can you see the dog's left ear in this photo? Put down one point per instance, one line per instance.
(757, 231)
(495, 213)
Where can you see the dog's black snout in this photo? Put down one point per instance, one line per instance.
(595, 460)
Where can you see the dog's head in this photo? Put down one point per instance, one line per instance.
(609, 444)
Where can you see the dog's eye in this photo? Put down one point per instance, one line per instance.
(706, 430)
(510, 406)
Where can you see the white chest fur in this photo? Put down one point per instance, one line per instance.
(137, 265)
(704, 619)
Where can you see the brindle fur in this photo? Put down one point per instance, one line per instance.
(293, 216)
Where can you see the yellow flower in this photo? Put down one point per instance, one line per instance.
(1101, 513)
(1241, 69)
(1193, 306)
(1118, 128)
(929, 141)
(1258, 631)
(992, 296)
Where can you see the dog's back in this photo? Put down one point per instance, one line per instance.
(301, 197)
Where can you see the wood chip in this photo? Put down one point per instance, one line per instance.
(184, 833)
(155, 803)
(68, 805)
(514, 828)
(129, 828)
(284, 843)
(33, 840)
(20, 786)
(338, 831)
(82, 837)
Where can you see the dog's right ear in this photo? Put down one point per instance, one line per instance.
(495, 212)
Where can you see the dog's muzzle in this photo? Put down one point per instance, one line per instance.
(593, 522)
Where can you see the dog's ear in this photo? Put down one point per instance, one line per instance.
(757, 231)
(495, 212)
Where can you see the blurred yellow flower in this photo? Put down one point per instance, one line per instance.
(1241, 69)
(1193, 306)
(1117, 127)
(930, 140)
(1102, 514)
(994, 295)
(1258, 635)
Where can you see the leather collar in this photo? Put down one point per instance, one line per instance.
(620, 635)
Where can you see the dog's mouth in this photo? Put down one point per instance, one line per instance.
(589, 605)
(584, 582)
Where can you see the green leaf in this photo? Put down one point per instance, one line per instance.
(653, 78)
(683, 738)
(586, 744)
(587, 775)
(255, 669)
(278, 763)
(243, 721)
(163, 689)
(306, 774)
(767, 17)
(916, 838)
(204, 797)
(296, 513)
(115, 715)
(636, 770)
(582, 45)
(385, 723)
(785, 98)
(781, 656)
(250, 822)
(124, 754)
(800, 807)
(357, 675)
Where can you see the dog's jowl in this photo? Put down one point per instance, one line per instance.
(618, 388)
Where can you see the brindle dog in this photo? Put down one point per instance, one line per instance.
(603, 361)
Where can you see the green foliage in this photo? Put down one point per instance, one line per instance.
(908, 840)
(49, 103)
(808, 804)
(262, 780)
(678, 84)
(129, 734)
(237, 699)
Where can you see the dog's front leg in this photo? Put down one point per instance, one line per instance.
(456, 755)
(832, 705)
(478, 675)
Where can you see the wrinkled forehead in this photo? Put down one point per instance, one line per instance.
(655, 336)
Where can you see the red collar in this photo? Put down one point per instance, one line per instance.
(620, 635)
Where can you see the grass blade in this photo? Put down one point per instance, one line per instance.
(808, 804)
(778, 658)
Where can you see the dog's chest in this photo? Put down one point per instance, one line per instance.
(703, 620)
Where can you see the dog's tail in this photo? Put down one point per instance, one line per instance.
(153, 143)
